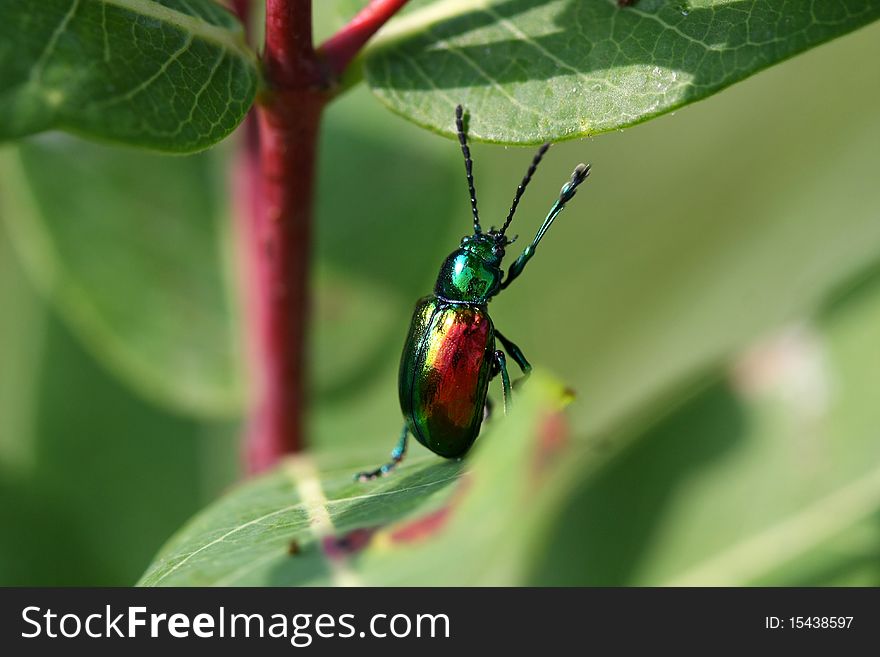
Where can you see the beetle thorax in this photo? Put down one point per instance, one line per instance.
(472, 273)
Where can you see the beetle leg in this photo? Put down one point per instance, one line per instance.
(501, 361)
(518, 356)
(397, 455)
(567, 192)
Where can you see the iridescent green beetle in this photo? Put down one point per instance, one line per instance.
(450, 355)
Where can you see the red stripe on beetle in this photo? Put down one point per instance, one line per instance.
(455, 369)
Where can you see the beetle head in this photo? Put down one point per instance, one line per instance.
(472, 273)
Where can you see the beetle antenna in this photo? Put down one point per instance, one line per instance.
(525, 181)
(468, 166)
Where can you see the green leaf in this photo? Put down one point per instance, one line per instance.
(170, 75)
(770, 476)
(284, 528)
(92, 478)
(531, 71)
(131, 248)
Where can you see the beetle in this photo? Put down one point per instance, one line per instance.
(450, 353)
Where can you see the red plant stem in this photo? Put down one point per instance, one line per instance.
(279, 233)
(275, 184)
(283, 234)
(340, 49)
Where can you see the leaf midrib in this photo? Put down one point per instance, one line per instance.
(229, 38)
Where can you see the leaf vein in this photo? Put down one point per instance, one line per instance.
(198, 94)
(40, 65)
(155, 76)
(468, 60)
(194, 25)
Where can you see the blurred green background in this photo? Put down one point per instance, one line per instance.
(712, 295)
